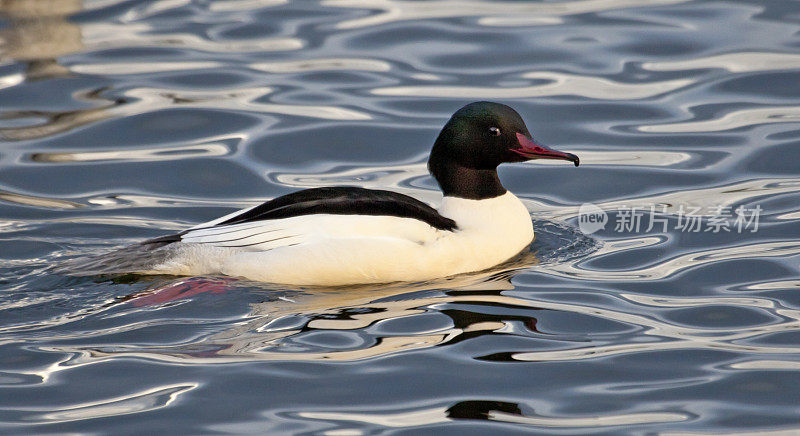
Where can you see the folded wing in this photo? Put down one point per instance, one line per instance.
(316, 214)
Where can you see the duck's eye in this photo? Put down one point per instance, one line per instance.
(494, 131)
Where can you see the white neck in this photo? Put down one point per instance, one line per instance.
(503, 210)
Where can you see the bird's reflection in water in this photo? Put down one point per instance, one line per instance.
(291, 312)
(485, 410)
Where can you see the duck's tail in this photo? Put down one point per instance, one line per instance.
(136, 258)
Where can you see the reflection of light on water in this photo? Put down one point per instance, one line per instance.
(11, 80)
(426, 76)
(558, 84)
(31, 200)
(138, 402)
(520, 13)
(242, 5)
(157, 6)
(663, 301)
(57, 122)
(635, 158)
(766, 364)
(731, 120)
(103, 36)
(330, 64)
(147, 100)
(29, 301)
(515, 21)
(734, 62)
(789, 216)
(770, 286)
(783, 432)
(154, 7)
(140, 67)
(238, 99)
(144, 154)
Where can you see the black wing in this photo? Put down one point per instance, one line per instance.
(344, 200)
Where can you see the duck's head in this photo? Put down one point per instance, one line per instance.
(475, 141)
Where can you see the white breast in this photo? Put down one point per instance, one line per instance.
(325, 249)
(491, 231)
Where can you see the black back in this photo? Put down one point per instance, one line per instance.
(344, 200)
(338, 200)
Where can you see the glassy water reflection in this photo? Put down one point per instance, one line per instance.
(122, 120)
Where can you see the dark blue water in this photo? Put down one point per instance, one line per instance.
(123, 120)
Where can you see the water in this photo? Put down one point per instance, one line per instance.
(123, 120)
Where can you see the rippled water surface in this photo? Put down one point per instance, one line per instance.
(123, 120)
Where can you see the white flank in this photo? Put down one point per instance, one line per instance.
(328, 250)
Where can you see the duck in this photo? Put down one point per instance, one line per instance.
(346, 235)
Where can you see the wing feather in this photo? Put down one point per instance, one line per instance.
(223, 218)
(271, 234)
(319, 214)
(340, 200)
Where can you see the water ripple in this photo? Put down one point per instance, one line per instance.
(329, 64)
(138, 402)
(239, 99)
(118, 68)
(141, 154)
(146, 100)
(31, 200)
(105, 36)
(519, 13)
(669, 267)
(556, 84)
(241, 5)
(258, 338)
(741, 62)
(731, 120)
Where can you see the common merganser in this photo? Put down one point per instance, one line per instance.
(348, 235)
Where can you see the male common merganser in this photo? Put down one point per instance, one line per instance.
(348, 235)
